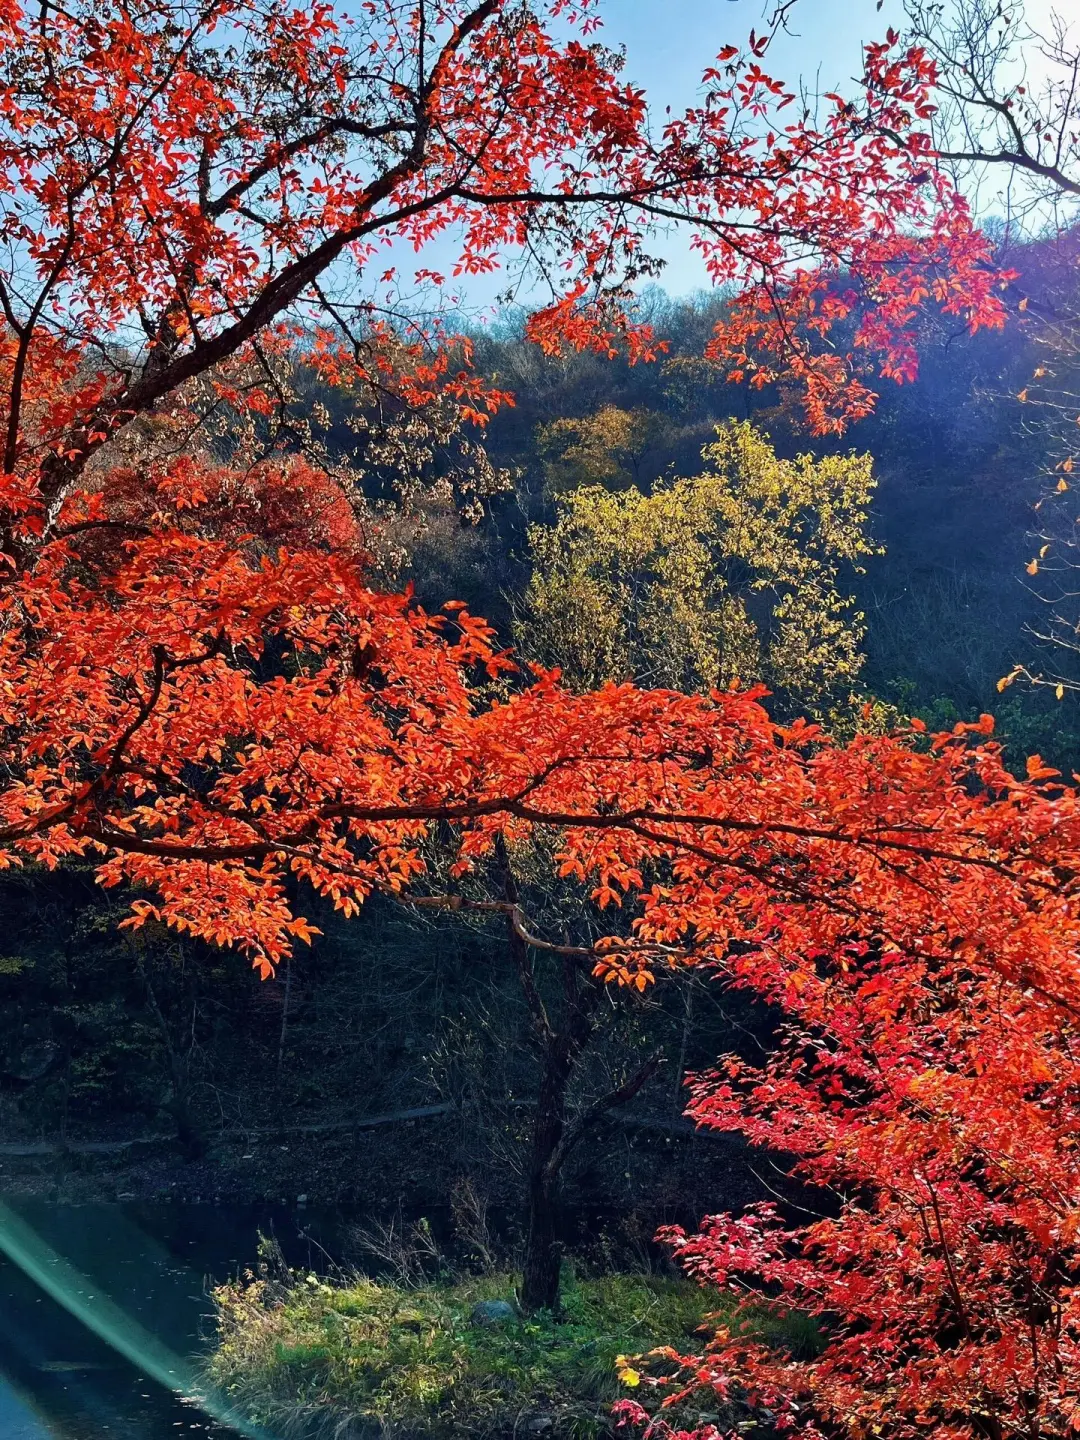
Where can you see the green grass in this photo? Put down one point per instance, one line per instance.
(371, 1359)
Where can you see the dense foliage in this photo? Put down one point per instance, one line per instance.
(209, 710)
(929, 1087)
(663, 588)
(213, 700)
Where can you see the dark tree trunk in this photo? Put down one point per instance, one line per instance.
(178, 1060)
(188, 1135)
(552, 1137)
(543, 1251)
(558, 1045)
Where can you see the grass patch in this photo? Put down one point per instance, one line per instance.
(367, 1358)
(370, 1359)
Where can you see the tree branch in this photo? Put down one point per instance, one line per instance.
(620, 1095)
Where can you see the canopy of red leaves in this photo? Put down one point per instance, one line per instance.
(198, 683)
(175, 180)
(202, 693)
(924, 1084)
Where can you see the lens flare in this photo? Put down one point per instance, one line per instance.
(83, 1299)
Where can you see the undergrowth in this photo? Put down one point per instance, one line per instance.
(362, 1358)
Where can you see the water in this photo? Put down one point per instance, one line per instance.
(100, 1341)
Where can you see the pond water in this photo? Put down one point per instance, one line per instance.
(104, 1312)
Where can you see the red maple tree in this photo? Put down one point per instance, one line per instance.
(924, 1084)
(202, 691)
(184, 192)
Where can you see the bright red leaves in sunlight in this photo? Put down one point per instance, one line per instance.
(204, 694)
(923, 1084)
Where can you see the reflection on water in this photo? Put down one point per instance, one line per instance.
(104, 1316)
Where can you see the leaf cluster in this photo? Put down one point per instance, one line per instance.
(731, 574)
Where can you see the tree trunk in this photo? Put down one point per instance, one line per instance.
(543, 1251)
(178, 1066)
(188, 1135)
(559, 1046)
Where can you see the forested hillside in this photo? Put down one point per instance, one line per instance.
(959, 465)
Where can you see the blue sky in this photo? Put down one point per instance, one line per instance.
(669, 42)
(668, 45)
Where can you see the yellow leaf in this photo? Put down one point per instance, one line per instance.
(1023, 304)
(1043, 551)
(1062, 485)
(630, 1376)
(1060, 692)
(1022, 396)
(1068, 466)
(1033, 568)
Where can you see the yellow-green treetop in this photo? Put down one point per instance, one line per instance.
(734, 573)
(606, 448)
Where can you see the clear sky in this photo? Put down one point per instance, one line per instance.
(670, 42)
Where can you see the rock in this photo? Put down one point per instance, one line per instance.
(301, 1199)
(492, 1312)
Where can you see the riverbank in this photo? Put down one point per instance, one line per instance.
(442, 1361)
(376, 1162)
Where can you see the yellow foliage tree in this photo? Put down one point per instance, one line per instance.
(731, 574)
(605, 448)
